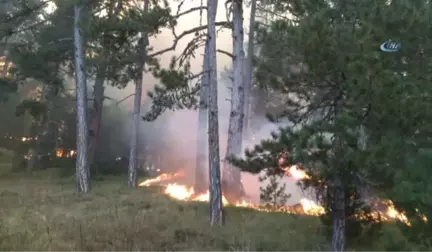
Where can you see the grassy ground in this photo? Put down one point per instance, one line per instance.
(42, 212)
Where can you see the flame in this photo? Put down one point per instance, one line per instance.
(59, 152)
(62, 153)
(305, 206)
(392, 213)
(187, 193)
(161, 178)
(295, 172)
(179, 191)
(311, 207)
(71, 153)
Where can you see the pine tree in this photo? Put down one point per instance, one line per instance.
(216, 207)
(358, 111)
(233, 188)
(82, 165)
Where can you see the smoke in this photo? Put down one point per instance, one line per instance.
(170, 141)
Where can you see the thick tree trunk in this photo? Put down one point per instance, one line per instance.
(232, 185)
(248, 72)
(133, 155)
(96, 115)
(339, 217)
(216, 207)
(202, 148)
(82, 167)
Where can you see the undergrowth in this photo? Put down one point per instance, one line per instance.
(42, 212)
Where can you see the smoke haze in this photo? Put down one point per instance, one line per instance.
(177, 130)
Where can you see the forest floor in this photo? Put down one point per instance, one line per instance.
(43, 212)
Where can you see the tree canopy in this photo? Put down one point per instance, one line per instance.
(361, 115)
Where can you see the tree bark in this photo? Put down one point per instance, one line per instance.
(99, 89)
(133, 155)
(232, 185)
(248, 72)
(339, 217)
(96, 114)
(202, 148)
(82, 167)
(216, 207)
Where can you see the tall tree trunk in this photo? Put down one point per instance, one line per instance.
(232, 185)
(96, 114)
(36, 132)
(41, 127)
(339, 217)
(248, 71)
(82, 167)
(202, 148)
(99, 89)
(216, 207)
(133, 155)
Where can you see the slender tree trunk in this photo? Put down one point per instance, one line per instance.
(248, 71)
(82, 167)
(339, 219)
(133, 155)
(232, 186)
(202, 148)
(37, 131)
(41, 128)
(96, 115)
(99, 89)
(216, 207)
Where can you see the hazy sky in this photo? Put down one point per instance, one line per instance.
(165, 39)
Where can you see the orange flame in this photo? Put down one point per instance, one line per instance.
(59, 152)
(305, 206)
(295, 172)
(187, 193)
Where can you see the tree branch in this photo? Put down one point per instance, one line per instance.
(185, 33)
(200, 8)
(124, 99)
(225, 52)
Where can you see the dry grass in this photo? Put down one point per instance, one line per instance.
(44, 213)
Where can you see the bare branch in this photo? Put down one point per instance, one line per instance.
(124, 99)
(200, 8)
(19, 30)
(185, 33)
(225, 52)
